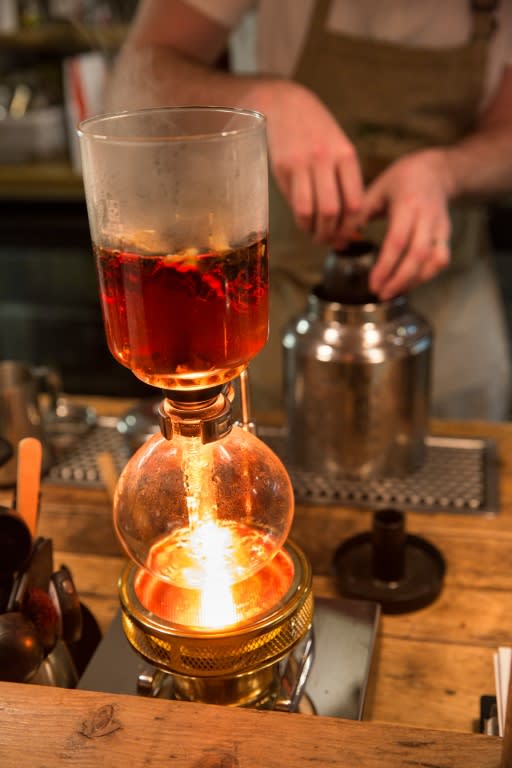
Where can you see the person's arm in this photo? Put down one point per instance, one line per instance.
(415, 193)
(481, 165)
(168, 59)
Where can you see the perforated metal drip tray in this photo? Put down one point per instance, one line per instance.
(77, 465)
(460, 475)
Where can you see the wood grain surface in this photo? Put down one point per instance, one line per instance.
(57, 728)
(432, 665)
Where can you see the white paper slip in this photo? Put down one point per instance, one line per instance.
(502, 661)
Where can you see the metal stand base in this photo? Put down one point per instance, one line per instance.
(339, 681)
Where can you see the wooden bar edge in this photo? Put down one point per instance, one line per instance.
(41, 726)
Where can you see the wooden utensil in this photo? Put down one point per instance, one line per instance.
(28, 481)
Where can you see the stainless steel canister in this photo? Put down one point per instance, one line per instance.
(20, 411)
(356, 376)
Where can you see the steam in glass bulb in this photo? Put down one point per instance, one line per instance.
(204, 518)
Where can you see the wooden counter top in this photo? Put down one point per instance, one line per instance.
(433, 664)
(54, 727)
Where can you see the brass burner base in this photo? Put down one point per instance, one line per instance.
(238, 666)
(258, 689)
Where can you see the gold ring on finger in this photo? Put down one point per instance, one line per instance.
(437, 241)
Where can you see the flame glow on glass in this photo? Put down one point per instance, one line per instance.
(251, 598)
(216, 595)
(209, 555)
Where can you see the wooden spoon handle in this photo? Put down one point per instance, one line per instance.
(28, 482)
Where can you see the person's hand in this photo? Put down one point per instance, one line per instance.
(413, 193)
(314, 163)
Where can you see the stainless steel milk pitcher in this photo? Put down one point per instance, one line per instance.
(356, 376)
(20, 412)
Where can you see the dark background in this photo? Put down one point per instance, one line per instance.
(49, 305)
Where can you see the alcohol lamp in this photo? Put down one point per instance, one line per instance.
(357, 375)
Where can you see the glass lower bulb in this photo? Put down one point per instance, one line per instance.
(203, 516)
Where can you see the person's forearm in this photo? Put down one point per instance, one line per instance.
(152, 76)
(481, 165)
(313, 161)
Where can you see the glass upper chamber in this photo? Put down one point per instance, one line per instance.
(177, 200)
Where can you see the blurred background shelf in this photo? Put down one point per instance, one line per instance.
(63, 38)
(54, 180)
(38, 56)
(49, 303)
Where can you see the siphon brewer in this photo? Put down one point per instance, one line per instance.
(214, 595)
(356, 375)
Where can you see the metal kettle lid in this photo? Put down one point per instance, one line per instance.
(346, 274)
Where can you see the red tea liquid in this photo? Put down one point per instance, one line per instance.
(186, 320)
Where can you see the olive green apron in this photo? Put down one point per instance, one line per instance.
(393, 99)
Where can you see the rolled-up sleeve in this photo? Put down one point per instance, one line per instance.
(226, 12)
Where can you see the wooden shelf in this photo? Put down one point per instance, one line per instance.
(40, 181)
(54, 180)
(63, 38)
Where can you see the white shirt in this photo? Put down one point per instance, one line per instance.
(280, 28)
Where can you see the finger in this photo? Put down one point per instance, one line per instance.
(395, 243)
(302, 199)
(327, 201)
(351, 182)
(416, 256)
(441, 256)
(436, 265)
(352, 191)
(440, 250)
(374, 202)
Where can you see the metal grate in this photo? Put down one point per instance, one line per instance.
(77, 465)
(460, 475)
(232, 653)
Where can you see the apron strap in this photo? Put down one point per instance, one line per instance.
(485, 22)
(319, 15)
